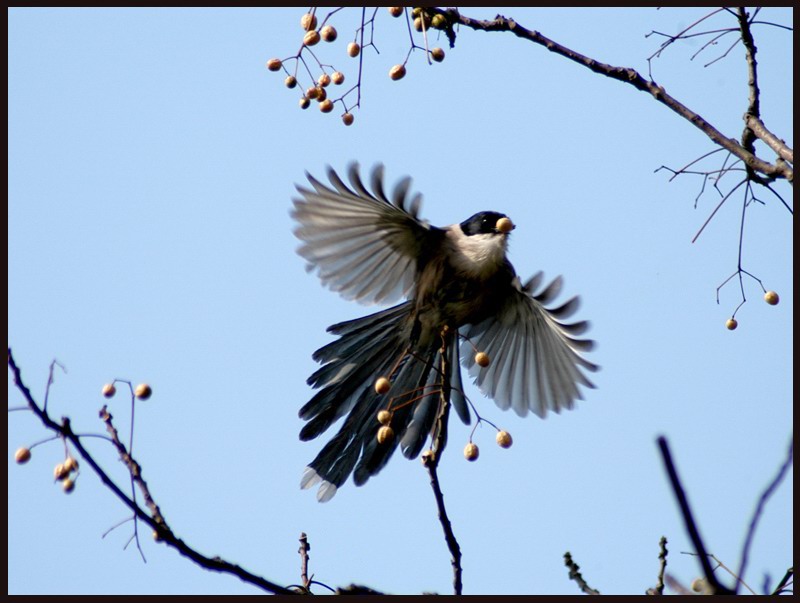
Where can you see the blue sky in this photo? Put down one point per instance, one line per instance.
(152, 162)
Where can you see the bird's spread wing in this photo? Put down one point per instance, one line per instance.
(535, 358)
(363, 245)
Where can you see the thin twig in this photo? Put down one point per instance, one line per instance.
(576, 576)
(762, 501)
(662, 557)
(787, 579)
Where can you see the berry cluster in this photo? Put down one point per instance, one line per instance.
(67, 472)
(386, 433)
(771, 297)
(62, 472)
(317, 86)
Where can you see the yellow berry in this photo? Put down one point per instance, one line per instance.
(504, 440)
(68, 485)
(347, 119)
(384, 417)
(438, 21)
(321, 94)
(290, 81)
(60, 472)
(482, 359)
(699, 585)
(143, 391)
(337, 77)
(353, 49)
(418, 23)
(22, 455)
(395, 11)
(385, 434)
(428, 456)
(437, 54)
(771, 298)
(70, 464)
(313, 92)
(308, 21)
(304, 102)
(311, 38)
(274, 64)
(326, 106)
(109, 390)
(324, 80)
(382, 385)
(471, 451)
(397, 72)
(504, 225)
(731, 324)
(328, 33)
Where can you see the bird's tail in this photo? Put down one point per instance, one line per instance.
(378, 345)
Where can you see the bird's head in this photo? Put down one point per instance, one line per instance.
(486, 223)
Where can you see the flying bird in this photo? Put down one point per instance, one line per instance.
(461, 295)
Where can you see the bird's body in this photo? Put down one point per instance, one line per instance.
(458, 285)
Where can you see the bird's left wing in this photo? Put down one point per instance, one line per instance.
(362, 244)
(536, 359)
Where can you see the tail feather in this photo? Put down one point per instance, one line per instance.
(367, 348)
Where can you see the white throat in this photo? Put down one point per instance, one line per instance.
(478, 255)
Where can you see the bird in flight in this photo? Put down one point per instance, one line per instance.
(462, 303)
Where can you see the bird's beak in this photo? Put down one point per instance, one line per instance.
(504, 226)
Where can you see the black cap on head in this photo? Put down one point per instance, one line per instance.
(484, 222)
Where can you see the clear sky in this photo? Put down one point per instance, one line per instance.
(152, 160)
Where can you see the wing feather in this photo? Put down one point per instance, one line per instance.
(536, 363)
(360, 243)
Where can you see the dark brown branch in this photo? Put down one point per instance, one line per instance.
(662, 558)
(761, 132)
(783, 585)
(133, 467)
(575, 574)
(754, 103)
(160, 526)
(688, 519)
(762, 501)
(431, 461)
(303, 550)
(631, 77)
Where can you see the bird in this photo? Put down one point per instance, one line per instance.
(458, 294)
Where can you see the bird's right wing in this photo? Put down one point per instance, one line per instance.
(536, 358)
(362, 244)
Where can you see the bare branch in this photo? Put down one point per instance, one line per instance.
(633, 78)
(783, 585)
(762, 501)
(691, 526)
(430, 460)
(65, 430)
(761, 132)
(662, 557)
(575, 574)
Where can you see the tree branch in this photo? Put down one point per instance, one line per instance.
(761, 132)
(628, 76)
(157, 522)
(762, 501)
(430, 460)
(691, 526)
(575, 574)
